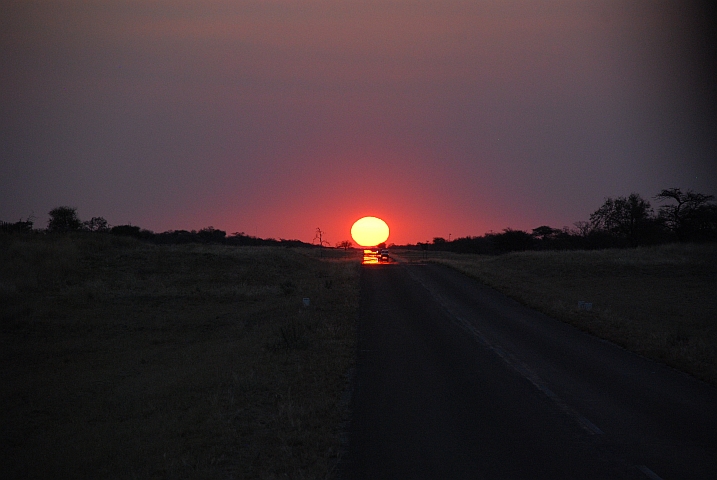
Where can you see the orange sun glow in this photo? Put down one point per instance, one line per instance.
(369, 231)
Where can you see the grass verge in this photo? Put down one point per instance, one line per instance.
(660, 302)
(120, 359)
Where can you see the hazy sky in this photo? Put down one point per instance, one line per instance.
(277, 117)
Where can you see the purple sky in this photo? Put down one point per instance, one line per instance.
(277, 117)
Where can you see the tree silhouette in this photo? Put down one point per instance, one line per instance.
(96, 224)
(545, 232)
(582, 228)
(320, 237)
(126, 230)
(63, 219)
(627, 218)
(693, 217)
(346, 244)
(511, 240)
(211, 234)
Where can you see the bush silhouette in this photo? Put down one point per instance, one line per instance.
(63, 219)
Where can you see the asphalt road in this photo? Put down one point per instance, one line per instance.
(454, 380)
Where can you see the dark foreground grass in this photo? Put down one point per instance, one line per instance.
(120, 359)
(660, 302)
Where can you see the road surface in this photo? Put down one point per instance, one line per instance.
(454, 380)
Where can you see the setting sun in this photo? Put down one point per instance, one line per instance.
(369, 231)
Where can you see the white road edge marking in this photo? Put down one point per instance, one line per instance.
(650, 474)
(516, 365)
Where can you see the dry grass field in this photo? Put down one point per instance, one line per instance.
(120, 359)
(660, 302)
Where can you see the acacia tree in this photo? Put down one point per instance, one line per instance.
(545, 233)
(63, 219)
(693, 216)
(346, 244)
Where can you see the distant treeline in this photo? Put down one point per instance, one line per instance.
(620, 222)
(205, 235)
(19, 227)
(65, 219)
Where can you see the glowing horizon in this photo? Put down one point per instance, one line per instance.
(274, 118)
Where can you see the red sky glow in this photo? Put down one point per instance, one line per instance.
(277, 117)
